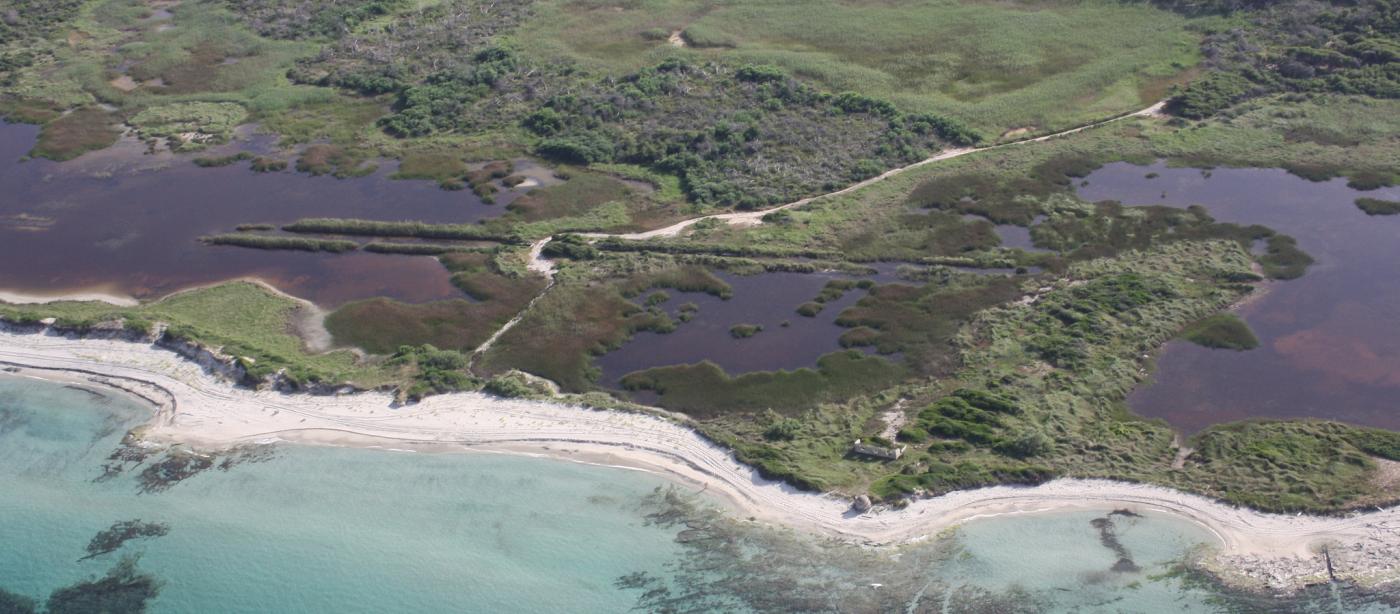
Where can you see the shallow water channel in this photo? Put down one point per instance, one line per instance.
(117, 221)
(1330, 346)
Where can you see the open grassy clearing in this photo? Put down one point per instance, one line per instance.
(998, 66)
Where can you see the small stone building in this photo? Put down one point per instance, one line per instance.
(887, 453)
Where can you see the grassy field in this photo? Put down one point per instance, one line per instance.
(997, 65)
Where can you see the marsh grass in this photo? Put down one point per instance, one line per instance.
(580, 194)
(1221, 331)
(705, 391)
(1378, 206)
(372, 228)
(381, 325)
(76, 133)
(286, 243)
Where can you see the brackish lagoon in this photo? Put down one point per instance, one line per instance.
(120, 220)
(1329, 345)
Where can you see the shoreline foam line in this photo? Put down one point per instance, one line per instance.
(203, 411)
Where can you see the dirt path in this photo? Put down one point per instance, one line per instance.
(754, 218)
(538, 264)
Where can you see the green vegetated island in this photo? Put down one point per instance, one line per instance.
(652, 112)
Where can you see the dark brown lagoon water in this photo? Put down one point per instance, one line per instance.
(80, 225)
(769, 299)
(1330, 342)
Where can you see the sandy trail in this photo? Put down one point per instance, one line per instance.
(113, 298)
(196, 409)
(754, 218)
(537, 264)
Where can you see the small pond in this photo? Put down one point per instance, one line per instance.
(769, 300)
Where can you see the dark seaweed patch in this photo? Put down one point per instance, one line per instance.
(726, 565)
(11, 419)
(114, 537)
(124, 589)
(11, 603)
(128, 452)
(1109, 539)
(180, 465)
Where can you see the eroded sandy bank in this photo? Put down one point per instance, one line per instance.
(197, 409)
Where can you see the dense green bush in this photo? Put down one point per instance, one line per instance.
(1345, 47)
(434, 371)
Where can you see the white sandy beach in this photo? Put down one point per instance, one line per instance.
(197, 409)
(113, 298)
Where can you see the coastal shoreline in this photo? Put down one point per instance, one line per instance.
(196, 409)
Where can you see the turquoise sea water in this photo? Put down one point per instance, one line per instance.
(317, 529)
(312, 529)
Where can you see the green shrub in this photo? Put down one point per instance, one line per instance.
(744, 331)
(587, 147)
(1283, 259)
(1027, 444)
(705, 37)
(785, 429)
(1209, 95)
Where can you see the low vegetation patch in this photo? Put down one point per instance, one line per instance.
(189, 125)
(744, 331)
(578, 195)
(78, 132)
(418, 230)
(382, 325)
(289, 243)
(1378, 206)
(705, 391)
(1221, 331)
(566, 328)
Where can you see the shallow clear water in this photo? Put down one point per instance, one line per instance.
(313, 529)
(1329, 346)
(318, 529)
